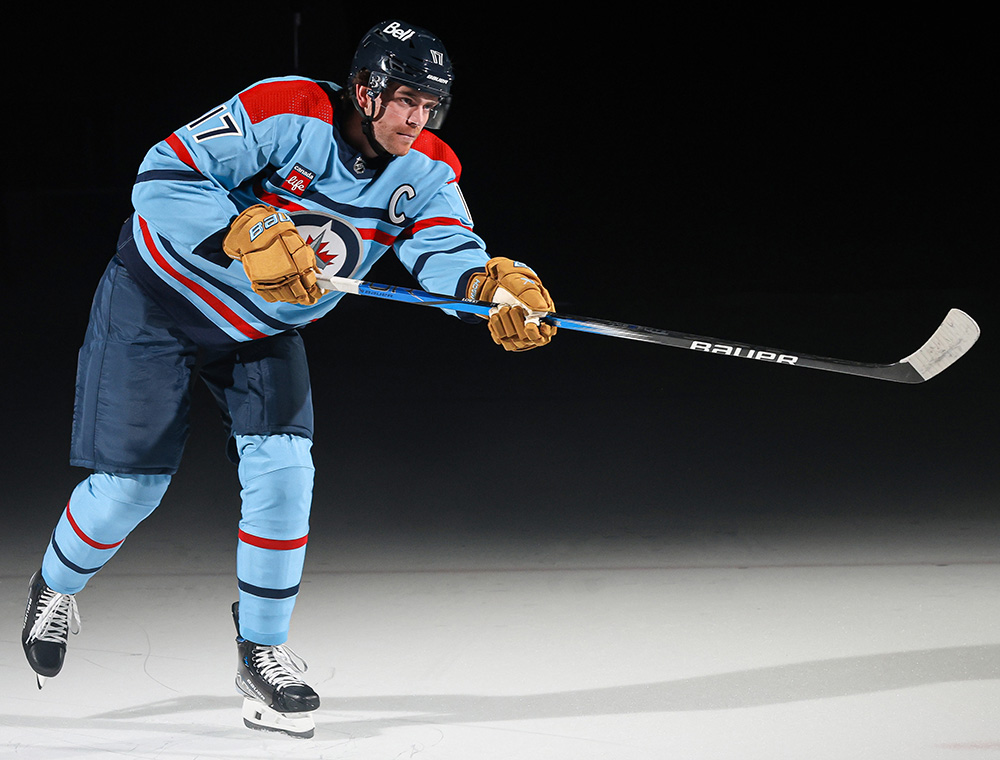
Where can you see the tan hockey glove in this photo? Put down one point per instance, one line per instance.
(519, 292)
(278, 263)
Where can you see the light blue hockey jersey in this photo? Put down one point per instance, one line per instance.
(278, 143)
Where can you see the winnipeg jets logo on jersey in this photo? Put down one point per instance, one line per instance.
(336, 242)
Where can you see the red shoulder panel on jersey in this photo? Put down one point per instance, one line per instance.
(296, 96)
(434, 147)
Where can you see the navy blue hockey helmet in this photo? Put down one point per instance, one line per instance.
(400, 52)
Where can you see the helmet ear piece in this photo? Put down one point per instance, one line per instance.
(372, 82)
(377, 83)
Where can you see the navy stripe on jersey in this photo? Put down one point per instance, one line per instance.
(424, 258)
(188, 175)
(366, 213)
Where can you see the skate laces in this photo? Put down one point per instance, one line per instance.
(279, 665)
(57, 617)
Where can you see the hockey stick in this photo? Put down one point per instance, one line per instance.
(955, 335)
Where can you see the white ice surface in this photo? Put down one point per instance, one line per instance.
(803, 640)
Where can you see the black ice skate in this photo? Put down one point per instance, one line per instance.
(276, 699)
(49, 618)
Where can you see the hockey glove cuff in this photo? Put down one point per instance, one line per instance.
(277, 261)
(520, 296)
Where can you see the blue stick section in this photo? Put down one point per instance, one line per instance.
(412, 295)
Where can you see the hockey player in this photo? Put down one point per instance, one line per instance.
(234, 214)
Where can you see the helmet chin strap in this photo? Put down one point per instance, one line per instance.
(366, 126)
(369, 133)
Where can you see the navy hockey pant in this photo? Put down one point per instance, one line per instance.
(130, 425)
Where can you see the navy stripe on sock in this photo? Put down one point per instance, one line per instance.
(74, 567)
(268, 593)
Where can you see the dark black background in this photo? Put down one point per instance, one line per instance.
(821, 183)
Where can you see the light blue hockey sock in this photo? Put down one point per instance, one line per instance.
(277, 476)
(100, 513)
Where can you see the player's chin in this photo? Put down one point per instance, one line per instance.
(402, 145)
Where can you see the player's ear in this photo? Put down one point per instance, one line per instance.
(364, 97)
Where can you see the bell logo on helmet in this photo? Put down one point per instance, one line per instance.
(394, 30)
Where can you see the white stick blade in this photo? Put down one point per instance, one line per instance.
(953, 338)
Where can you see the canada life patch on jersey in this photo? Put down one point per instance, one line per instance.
(336, 242)
(298, 180)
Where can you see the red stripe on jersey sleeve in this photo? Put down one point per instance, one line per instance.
(377, 235)
(182, 153)
(437, 221)
(297, 96)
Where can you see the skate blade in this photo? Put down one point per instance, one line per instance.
(40, 680)
(260, 717)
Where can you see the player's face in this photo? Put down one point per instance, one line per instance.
(402, 115)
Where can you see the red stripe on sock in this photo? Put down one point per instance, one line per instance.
(84, 537)
(272, 543)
